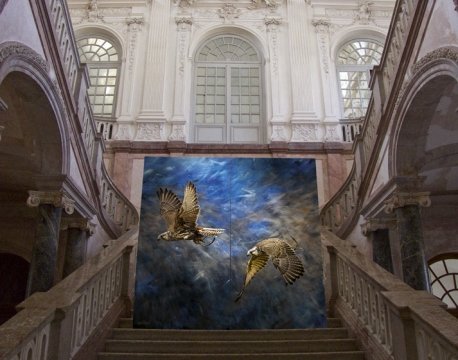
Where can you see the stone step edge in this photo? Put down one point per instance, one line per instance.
(333, 353)
(225, 342)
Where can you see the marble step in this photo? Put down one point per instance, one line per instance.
(228, 335)
(350, 355)
(229, 347)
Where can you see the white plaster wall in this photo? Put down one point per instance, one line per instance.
(441, 29)
(18, 24)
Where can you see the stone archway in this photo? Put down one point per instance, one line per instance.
(424, 166)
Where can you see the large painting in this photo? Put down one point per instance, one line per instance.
(229, 243)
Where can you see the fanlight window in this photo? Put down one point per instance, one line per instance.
(443, 275)
(103, 61)
(355, 60)
(228, 92)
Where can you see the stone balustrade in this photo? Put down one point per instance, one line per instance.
(350, 129)
(65, 39)
(118, 208)
(59, 323)
(392, 320)
(383, 84)
(105, 128)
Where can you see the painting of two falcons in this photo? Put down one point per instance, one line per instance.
(181, 219)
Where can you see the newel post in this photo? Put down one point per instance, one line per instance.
(126, 277)
(333, 277)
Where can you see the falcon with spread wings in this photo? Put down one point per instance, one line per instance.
(283, 257)
(181, 217)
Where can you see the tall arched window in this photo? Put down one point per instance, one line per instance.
(103, 60)
(355, 60)
(228, 92)
(443, 274)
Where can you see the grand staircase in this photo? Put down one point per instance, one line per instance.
(332, 342)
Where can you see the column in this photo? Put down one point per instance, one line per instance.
(184, 24)
(304, 82)
(151, 120)
(377, 231)
(78, 232)
(44, 253)
(406, 207)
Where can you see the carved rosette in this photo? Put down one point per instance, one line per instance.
(372, 225)
(304, 133)
(177, 133)
(150, 131)
(322, 30)
(55, 198)
(401, 199)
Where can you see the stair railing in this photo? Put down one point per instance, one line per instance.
(389, 319)
(67, 320)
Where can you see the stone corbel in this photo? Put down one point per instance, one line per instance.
(372, 225)
(55, 198)
(401, 199)
(78, 223)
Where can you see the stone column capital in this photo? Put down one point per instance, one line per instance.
(401, 199)
(375, 224)
(271, 21)
(55, 198)
(77, 223)
(183, 20)
(321, 25)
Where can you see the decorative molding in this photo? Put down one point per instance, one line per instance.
(322, 30)
(271, 4)
(372, 225)
(92, 12)
(55, 198)
(272, 21)
(332, 133)
(183, 21)
(13, 48)
(229, 12)
(448, 53)
(304, 132)
(401, 199)
(177, 132)
(278, 132)
(184, 24)
(149, 131)
(272, 24)
(183, 3)
(364, 14)
(134, 25)
(123, 132)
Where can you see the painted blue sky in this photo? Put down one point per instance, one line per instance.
(184, 285)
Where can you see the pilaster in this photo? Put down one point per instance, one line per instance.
(302, 79)
(378, 232)
(152, 117)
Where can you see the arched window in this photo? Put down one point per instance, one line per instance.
(228, 93)
(355, 60)
(443, 274)
(103, 60)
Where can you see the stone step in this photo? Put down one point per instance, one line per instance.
(229, 347)
(228, 335)
(331, 323)
(350, 355)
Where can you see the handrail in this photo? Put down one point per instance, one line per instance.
(386, 313)
(57, 323)
(386, 74)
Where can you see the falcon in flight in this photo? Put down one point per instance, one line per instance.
(283, 257)
(181, 217)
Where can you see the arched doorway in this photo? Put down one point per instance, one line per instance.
(14, 271)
